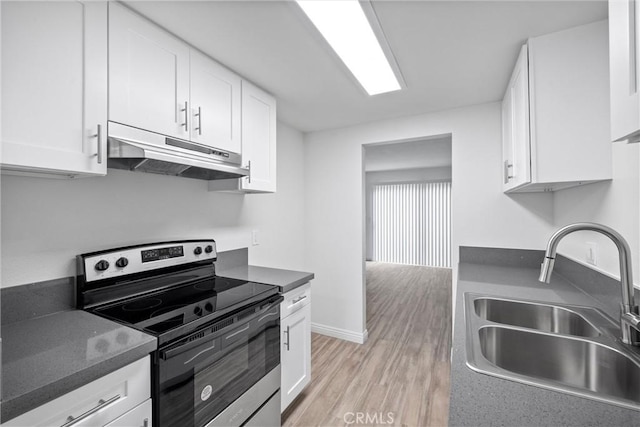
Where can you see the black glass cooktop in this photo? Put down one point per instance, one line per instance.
(160, 311)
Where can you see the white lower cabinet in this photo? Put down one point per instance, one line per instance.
(119, 399)
(140, 416)
(295, 354)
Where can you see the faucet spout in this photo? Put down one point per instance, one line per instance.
(546, 269)
(629, 318)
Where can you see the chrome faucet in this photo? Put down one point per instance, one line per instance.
(629, 313)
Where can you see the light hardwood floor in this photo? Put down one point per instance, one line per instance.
(400, 376)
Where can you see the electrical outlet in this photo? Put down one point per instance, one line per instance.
(592, 253)
(254, 238)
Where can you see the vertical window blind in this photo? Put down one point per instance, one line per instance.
(412, 223)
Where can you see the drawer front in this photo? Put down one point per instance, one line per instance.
(96, 403)
(140, 416)
(296, 299)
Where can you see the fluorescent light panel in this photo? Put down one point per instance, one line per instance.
(346, 28)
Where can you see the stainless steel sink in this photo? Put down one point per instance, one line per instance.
(565, 348)
(542, 317)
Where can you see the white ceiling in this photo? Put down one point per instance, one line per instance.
(431, 153)
(451, 53)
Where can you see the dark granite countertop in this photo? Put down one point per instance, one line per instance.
(287, 280)
(45, 357)
(482, 400)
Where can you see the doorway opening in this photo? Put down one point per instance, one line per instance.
(407, 188)
(408, 202)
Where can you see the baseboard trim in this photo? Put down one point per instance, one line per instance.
(342, 334)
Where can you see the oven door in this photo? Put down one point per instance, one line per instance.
(207, 371)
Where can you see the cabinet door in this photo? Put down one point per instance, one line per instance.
(139, 416)
(215, 104)
(624, 44)
(507, 139)
(515, 117)
(54, 87)
(295, 354)
(148, 75)
(258, 139)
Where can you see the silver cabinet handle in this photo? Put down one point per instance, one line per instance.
(297, 300)
(186, 116)
(507, 175)
(101, 404)
(99, 137)
(249, 176)
(287, 343)
(199, 116)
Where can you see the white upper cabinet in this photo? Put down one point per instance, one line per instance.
(258, 138)
(215, 104)
(516, 145)
(54, 87)
(160, 84)
(556, 127)
(258, 144)
(624, 45)
(148, 75)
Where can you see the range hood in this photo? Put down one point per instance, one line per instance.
(141, 151)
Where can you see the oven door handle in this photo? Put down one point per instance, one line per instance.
(211, 344)
(241, 329)
(201, 352)
(268, 311)
(274, 302)
(266, 314)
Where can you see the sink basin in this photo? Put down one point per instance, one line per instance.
(566, 348)
(547, 318)
(582, 364)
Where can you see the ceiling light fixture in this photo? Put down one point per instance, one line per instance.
(346, 28)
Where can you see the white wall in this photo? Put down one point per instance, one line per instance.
(425, 153)
(46, 222)
(481, 214)
(614, 203)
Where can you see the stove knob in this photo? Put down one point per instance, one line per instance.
(209, 307)
(197, 250)
(208, 249)
(197, 311)
(122, 262)
(102, 265)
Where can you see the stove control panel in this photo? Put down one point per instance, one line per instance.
(136, 259)
(158, 254)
